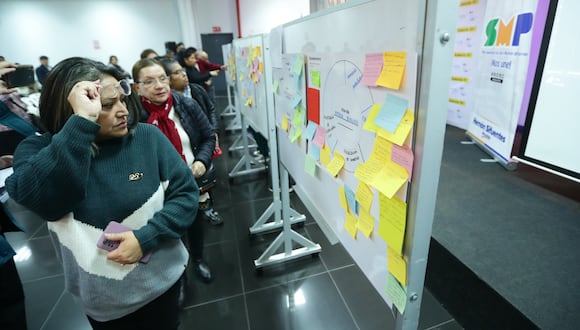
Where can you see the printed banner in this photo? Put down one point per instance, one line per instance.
(465, 56)
(502, 72)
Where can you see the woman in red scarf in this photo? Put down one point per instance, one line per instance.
(185, 124)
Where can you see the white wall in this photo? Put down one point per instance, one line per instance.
(260, 16)
(212, 13)
(64, 28)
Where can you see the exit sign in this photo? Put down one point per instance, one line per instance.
(216, 29)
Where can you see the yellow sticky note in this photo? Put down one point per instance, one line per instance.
(389, 178)
(261, 67)
(368, 171)
(336, 164)
(370, 122)
(402, 130)
(310, 165)
(315, 78)
(350, 224)
(244, 92)
(249, 101)
(366, 222)
(284, 124)
(397, 266)
(392, 223)
(364, 196)
(342, 198)
(258, 51)
(393, 70)
(382, 149)
(396, 293)
(325, 155)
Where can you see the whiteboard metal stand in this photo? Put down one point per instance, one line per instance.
(235, 125)
(287, 236)
(289, 216)
(239, 145)
(230, 110)
(436, 52)
(244, 165)
(275, 209)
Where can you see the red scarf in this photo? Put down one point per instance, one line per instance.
(159, 116)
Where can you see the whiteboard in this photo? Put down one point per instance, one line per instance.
(341, 55)
(229, 60)
(290, 90)
(551, 132)
(252, 81)
(346, 33)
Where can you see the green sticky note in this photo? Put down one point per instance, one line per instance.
(275, 86)
(396, 292)
(315, 78)
(310, 165)
(298, 119)
(295, 133)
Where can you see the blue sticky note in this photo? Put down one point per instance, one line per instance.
(310, 130)
(297, 82)
(314, 151)
(296, 101)
(297, 64)
(331, 141)
(351, 200)
(392, 112)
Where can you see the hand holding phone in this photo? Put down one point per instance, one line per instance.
(22, 76)
(6, 67)
(106, 244)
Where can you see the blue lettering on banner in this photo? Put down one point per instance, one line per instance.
(489, 129)
(478, 123)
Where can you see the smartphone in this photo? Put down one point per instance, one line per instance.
(22, 76)
(115, 227)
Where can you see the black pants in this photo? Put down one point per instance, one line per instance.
(161, 313)
(12, 312)
(195, 237)
(261, 142)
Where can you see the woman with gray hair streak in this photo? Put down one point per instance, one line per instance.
(97, 164)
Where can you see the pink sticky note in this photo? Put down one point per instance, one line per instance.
(404, 157)
(319, 136)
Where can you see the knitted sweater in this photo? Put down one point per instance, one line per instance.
(138, 180)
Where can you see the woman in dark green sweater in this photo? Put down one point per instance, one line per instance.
(97, 164)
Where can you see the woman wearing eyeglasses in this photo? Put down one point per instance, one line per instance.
(185, 124)
(179, 83)
(95, 165)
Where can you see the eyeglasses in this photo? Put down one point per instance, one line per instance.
(151, 82)
(111, 91)
(179, 72)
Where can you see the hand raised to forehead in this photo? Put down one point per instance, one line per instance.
(85, 100)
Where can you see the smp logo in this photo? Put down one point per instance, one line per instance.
(500, 34)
